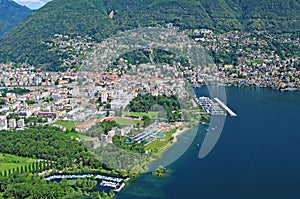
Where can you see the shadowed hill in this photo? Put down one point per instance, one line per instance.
(11, 14)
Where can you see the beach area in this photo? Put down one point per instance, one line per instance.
(178, 133)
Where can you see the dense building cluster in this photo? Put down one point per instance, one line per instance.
(79, 96)
(254, 59)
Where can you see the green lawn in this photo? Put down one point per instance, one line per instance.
(68, 124)
(140, 114)
(12, 162)
(258, 61)
(194, 111)
(158, 144)
(124, 122)
(73, 135)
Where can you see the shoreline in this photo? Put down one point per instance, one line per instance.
(168, 146)
(175, 139)
(178, 133)
(163, 150)
(249, 86)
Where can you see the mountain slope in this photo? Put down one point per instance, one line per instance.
(273, 15)
(91, 17)
(11, 14)
(85, 17)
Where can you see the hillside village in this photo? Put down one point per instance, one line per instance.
(247, 59)
(35, 97)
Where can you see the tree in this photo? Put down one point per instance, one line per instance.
(147, 121)
(43, 142)
(108, 106)
(159, 172)
(26, 168)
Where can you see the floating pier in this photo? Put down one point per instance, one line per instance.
(231, 113)
(210, 106)
(120, 188)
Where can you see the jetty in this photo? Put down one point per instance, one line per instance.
(231, 113)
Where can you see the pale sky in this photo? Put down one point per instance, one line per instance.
(32, 4)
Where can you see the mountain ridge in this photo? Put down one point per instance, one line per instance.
(11, 13)
(91, 17)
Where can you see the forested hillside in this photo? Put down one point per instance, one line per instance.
(11, 14)
(101, 18)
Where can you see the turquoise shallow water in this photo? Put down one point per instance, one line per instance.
(257, 155)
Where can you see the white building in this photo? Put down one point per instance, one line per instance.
(21, 123)
(124, 131)
(12, 123)
(3, 122)
(104, 96)
(118, 103)
(112, 132)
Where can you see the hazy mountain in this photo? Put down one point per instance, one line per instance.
(91, 17)
(11, 14)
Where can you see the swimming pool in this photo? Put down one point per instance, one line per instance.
(160, 135)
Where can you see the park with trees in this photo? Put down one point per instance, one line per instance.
(26, 154)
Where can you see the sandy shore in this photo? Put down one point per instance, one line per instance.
(179, 132)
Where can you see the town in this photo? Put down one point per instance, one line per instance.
(30, 96)
(83, 99)
(141, 104)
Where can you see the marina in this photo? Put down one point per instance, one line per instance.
(113, 183)
(210, 107)
(97, 177)
(214, 107)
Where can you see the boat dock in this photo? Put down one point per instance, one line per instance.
(115, 183)
(231, 113)
(120, 188)
(210, 107)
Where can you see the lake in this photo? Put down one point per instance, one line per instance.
(256, 156)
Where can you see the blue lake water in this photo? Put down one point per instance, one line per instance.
(257, 155)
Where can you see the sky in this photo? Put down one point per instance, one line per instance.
(32, 4)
